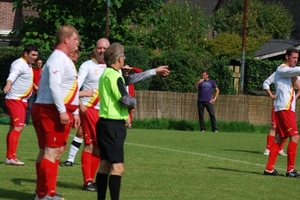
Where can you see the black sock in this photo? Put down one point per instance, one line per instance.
(114, 186)
(101, 180)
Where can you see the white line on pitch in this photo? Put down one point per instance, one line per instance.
(200, 154)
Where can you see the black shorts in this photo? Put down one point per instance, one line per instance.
(111, 136)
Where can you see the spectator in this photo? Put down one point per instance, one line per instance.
(205, 87)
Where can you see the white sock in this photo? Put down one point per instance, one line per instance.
(73, 149)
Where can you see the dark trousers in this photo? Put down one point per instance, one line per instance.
(209, 107)
(30, 102)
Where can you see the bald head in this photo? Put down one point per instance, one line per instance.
(101, 45)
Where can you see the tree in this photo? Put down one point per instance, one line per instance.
(264, 19)
(89, 18)
(173, 26)
(229, 45)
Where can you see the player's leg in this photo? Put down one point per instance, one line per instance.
(74, 148)
(201, 116)
(17, 110)
(210, 110)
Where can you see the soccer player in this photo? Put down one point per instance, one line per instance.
(271, 134)
(286, 80)
(58, 101)
(78, 138)
(111, 126)
(36, 79)
(18, 89)
(88, 78)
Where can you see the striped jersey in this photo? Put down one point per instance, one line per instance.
(285, 92)
(58, 82)
(88, 78)
(21, 75)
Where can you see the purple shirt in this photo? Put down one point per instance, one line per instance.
(205, 90)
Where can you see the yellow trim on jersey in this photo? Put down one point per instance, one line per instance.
(93, 99)
(70, 95)
(288, 106)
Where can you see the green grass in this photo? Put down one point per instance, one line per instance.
(165, 165)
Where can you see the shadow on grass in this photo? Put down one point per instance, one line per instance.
(234, 170)
(18, 181)
(244, 151)
(14, 194)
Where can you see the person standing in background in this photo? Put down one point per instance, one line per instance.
(205, 86)
(18, 89)
(37, 68)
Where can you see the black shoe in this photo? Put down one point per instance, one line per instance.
(89, 187)
(66, 164)
(293, 174)
(274, 173)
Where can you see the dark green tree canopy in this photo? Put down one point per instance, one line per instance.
(264, 19)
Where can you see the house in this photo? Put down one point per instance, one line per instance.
(10, 20)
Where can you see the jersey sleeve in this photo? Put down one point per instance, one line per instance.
(56, 71)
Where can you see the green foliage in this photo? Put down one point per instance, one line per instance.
(230, 45)
(88, 17)
(186, 69)
(172, 26)
(138, 57)
(256, 71)
(264, 19)
(185, 125)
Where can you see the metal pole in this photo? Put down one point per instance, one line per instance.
(241, 89)
(107, 20)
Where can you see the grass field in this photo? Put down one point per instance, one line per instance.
(165, 165)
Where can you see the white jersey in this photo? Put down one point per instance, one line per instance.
(21, 76)
(285, 92)
(270, 80)
(88, 78)
(58, 84)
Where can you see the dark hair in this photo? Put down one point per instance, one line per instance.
(291, 50)
(205, 71)
(29, 48)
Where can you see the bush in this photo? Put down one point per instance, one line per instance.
(184, 125)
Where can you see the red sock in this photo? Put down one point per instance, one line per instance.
(274, 149)
(86, 164)
(282, 144)
(13, 139)
(37, 169)
(45, 177)
(52, 190)
(8, 153)
(291, 152)
(270, 140)
(95, 165)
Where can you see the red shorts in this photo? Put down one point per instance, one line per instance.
(273, 118)
(56, 134)
(286, 123)
(17, 111)
(37, 124)
(88, 123)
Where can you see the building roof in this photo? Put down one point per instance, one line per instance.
(276, 47)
